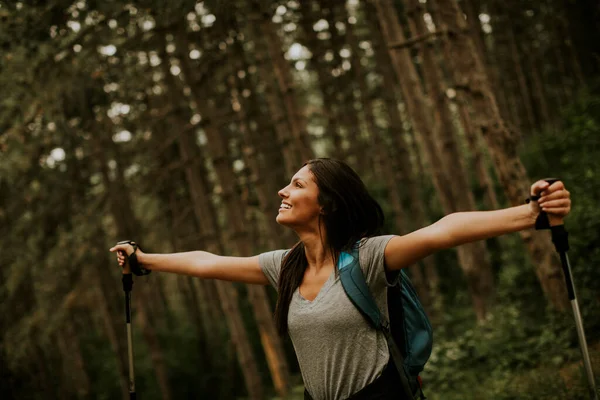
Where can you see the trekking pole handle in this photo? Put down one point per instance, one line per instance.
(133, 265)
(126, 267)
(552, 220)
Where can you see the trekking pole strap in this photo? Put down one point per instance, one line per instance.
(134, 264)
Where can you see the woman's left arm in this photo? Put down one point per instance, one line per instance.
(465, 227)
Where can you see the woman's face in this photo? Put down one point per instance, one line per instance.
(299, 205)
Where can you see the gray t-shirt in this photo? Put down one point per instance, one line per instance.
(339, 353)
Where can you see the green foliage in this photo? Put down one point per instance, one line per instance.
(523, 350)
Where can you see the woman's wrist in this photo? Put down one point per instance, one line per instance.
(142, 258)
(534, 212)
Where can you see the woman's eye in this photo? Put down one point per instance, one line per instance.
(298, 185)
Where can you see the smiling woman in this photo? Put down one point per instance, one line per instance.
(341, 356)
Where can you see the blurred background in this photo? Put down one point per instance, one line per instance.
(174, 123)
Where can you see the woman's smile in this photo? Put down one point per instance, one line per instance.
(284, 206)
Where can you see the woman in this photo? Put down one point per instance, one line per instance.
(340, 355)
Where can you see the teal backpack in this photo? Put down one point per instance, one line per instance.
(408, 331)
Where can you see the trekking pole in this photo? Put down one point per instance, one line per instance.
(560, 238)
(131, 264)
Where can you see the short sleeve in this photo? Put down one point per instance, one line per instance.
(270, 263)
(372, 261)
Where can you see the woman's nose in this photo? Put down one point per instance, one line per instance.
(282, 193)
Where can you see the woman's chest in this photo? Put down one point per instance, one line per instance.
(330, 312)
(311, 284)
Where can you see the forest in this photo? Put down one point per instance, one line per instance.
(175, 123)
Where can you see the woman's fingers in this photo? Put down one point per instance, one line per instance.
(548, 192)
(539, 186)
(122, 251)
(557, 206)
(558, 195)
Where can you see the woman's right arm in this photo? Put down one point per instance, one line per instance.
(201, 264)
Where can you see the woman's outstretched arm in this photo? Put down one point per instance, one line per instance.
(465, 227)
(201, 264)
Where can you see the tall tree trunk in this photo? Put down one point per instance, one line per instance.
(200, 197)
(345, 87)
(235, 215)
(74, 368)
(326, 81)
(478, 276)
(283, 74)
(538, 92)
(509, 27)
(258, 148)
(472, 10)
(264, 66)
(471, 77)
(200, 191)
(473, 257)
(401, 162)
(269, 337)
(127, 227)
(478, 162)
(418, 106)
(196, 301)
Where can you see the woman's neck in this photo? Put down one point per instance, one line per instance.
(318, 253)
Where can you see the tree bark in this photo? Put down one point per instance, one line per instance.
(478, 162)
(472, 259)
(235, 215)
(256, 148)
(294, 114)
(128, 227)
(205, 216)
(269, 337)
(326, 80)
(401, 162)
(471, 77)
(285, 143)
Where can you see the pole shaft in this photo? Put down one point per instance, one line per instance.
(587, 363)
(127, 286)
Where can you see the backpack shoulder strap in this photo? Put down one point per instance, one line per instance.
(356, 287)
(357, 290)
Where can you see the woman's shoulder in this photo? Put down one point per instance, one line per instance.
(270, 263)
(374, 244)
(272, 258)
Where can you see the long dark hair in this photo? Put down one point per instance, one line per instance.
(349, 214)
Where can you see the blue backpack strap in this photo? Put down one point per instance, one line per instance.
(357, 290)
(356, 287)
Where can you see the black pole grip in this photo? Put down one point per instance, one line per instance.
(134, 265)
(542, 221)
(127, 282)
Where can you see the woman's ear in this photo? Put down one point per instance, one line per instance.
(329, 208)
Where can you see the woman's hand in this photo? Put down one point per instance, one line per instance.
(554, 199)
(125, 250)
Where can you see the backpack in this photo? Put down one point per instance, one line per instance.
(408, 332)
